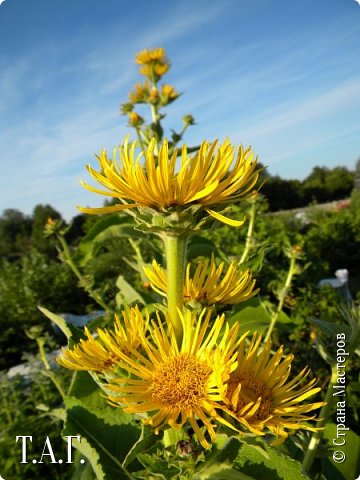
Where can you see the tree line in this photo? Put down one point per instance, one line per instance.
(19, 233)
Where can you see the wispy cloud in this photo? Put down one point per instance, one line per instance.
(61, 97)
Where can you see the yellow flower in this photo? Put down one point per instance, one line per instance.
(204, 179)
(169, 93)
(154, 94)
(210, 284)
(176, 385)
(140, 92)
(101, 353)
(153, 63)
(158, 69)
(135, 119)
(148, 56)
(260, 396)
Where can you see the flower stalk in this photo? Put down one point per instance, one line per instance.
(67, 258)
(249, 236)
(316, 437)
(283, 292)
(175, 251)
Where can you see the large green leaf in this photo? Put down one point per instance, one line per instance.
(111, 439)
(349, 469)
(223, 472)
(86, 392)
(218, 464)
(331, 328)
(200, 247)
(72, 333)
(147, 441)
(127, 294)
(272, 466)
(92, 239)
(107, 433)
(252, 316)
(82, 471)
(157, 466)
(104, 445)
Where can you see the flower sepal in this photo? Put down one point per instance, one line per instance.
(173, 220)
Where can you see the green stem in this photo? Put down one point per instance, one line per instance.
(249, 235)
(52, 376)
(324, 414)
(175, 249)
(282, 296)
(154, 114)
(142, 146)
(69, 260)
(40, 343)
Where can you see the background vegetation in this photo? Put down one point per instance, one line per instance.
(35, 270)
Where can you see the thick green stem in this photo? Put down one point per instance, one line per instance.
(249, 235)
(282, 296)
(324, 414)
(175, 249)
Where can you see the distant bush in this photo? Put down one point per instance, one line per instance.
(31, 281)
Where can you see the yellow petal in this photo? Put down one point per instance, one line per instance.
(228, 221)
(109, 209)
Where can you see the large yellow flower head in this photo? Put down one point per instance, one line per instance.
(210, 284)
(178, 384)
(100, 354)
(261, 398)
(212, 177)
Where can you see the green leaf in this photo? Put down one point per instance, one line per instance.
(127, 293)
(72, 333)
(148, 440)
(92, 240)
(84, 388)
(224, 473)
(86, 392)
(200, 247)
(252, 316)
(331, 328)
(82, 471)
(350, 468)
(158, 466)
(103, 442)
(221, 457)
(257, 256)
(274, 466)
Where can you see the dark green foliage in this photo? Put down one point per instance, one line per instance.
(39, 241)
(33, 280)
(325, 185)
(15, 232)
(322, 185)
(19, 415)
(283, 194)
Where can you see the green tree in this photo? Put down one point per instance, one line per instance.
(283, 194)
(15, 233)
(40, 216)
(324, 184)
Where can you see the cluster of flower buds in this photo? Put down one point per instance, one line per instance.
(153, 65)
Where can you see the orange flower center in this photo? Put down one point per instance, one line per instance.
(251, 390)
(181, 382)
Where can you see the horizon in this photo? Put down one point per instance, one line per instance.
(282, 77)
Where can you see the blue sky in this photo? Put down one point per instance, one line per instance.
(281, 75)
